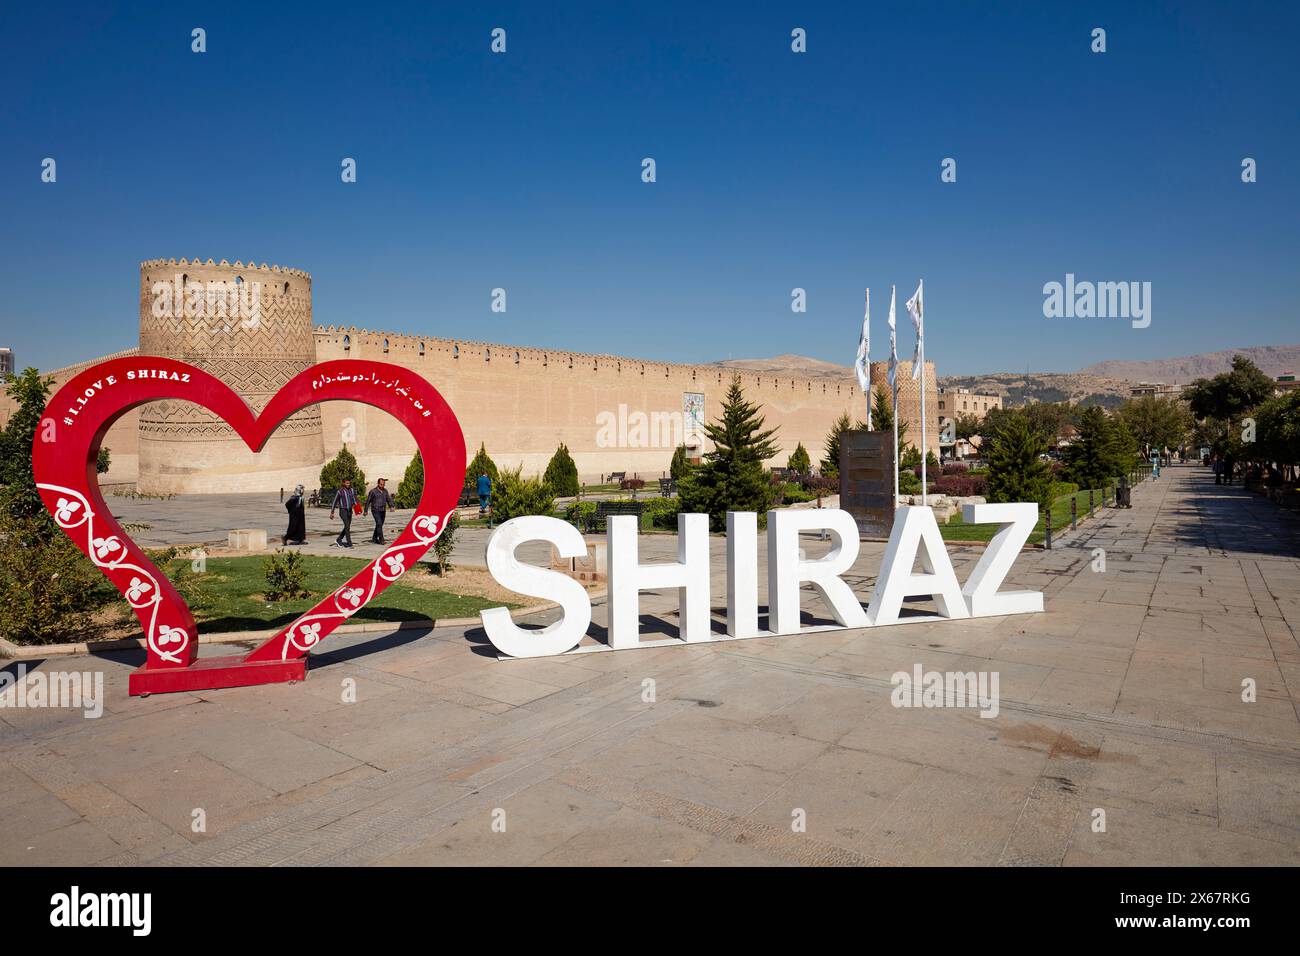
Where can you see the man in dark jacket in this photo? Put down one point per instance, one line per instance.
(377, 503)
(345, 500)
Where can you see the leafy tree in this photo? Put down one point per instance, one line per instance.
(680, 466)
(412, 484)
(18, 494)
(1278, 431)
(799, 462)
(481, 465)
(514, 495)
(966, 427)
(1157, 422)
(103, 461)
(562, 473)
(931, 463)
(1229, 395)
(344, 465)
(49, 590)
(731, 478)
(1015, 471)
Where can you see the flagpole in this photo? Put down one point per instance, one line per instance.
(894, 384)
(866, 359)
(921, 341)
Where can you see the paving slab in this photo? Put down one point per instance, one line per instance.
(1124, 697)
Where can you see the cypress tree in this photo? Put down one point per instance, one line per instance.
(562, 473)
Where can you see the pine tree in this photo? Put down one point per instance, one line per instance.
(562, 473)
(481, 465)
(830, 465)
(343, 466)
(412, 485)
(1103, 448)
(731, 477)
(1016, 473)
(799, 462)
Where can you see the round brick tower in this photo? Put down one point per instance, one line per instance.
(250, 326)
(909, 401)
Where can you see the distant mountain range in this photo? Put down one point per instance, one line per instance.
(1104, 383)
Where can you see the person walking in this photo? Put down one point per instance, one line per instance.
(296, 506)
(345, 500)
(1217, 466)
(377, 503)
(484, 494)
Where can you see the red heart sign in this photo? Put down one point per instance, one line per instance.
(63, 462)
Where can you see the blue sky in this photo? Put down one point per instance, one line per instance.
(775, 170)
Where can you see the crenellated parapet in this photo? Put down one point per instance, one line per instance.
(400, 347)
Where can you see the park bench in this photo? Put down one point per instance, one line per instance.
(597, 522)
(667, 487)
(322, 497)
(468, 496)
(616, 477)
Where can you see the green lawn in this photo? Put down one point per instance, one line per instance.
(957, 530)
(230, 595)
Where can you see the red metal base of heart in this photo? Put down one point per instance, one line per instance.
(211, 673)
(64, 455)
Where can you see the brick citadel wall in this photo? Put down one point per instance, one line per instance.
(614, 413)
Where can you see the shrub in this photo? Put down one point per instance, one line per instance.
(632, 484)
(49, 590)
(791, 492)
(680, 466)
(286, 577)
(959, 486)
(514, 495)
(580, 513)
(660, 513)
(446, 542)
(955, 468)
(812, 484)
(343, 466)
(562, 473)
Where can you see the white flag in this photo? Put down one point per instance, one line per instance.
(893, 341)
(916, 309)
(860, 364)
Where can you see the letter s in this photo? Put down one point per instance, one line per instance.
(563, 634)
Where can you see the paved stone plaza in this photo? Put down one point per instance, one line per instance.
(1124, 697)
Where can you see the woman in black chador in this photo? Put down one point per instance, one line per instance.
(297, 533)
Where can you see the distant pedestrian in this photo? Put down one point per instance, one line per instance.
(1217, 466)
(377, 503)
(297, 508)
(345, 500)
(484, 494)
